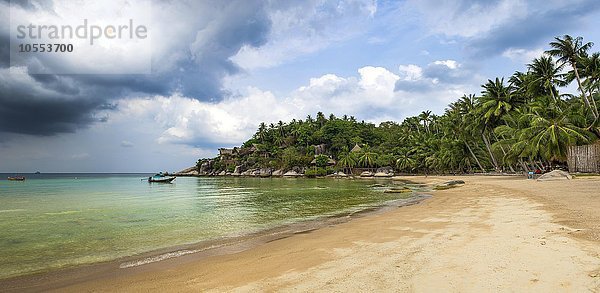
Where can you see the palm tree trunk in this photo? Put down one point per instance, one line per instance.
(474, 157)
(504, 153)
(556, 99)
(524, 166)
(487, 145)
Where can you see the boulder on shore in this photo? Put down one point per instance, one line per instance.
(277, 173)
(555, 175)
(265, 172)
(247, 172)
(383, 174)
(291, 173)
(366, 174)
(341, 174)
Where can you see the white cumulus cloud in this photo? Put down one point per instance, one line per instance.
(371, 95)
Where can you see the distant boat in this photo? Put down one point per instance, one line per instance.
(38, 172)
(17, 178)
(160, 178)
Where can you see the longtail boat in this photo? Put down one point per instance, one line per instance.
(160, 178)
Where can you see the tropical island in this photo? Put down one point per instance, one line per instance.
(517, 124)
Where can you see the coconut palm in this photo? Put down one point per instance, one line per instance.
(546, 75)
(367, 157)
(570, 50)
(497, 100)
(405, 161)
(347, 161)
(262, 131)
(591, 69)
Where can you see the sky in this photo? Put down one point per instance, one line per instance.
(216, 69)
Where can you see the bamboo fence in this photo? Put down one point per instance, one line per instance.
(584, 158)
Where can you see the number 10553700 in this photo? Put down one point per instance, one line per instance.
(50, 48)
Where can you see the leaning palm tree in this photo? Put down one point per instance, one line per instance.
(546, 75)
(570, 50)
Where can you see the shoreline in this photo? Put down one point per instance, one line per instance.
(175, 255)
(492, 234)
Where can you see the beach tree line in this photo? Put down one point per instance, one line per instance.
(518, 123)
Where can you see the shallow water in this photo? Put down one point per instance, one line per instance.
(54, 221)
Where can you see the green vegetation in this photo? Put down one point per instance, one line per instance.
(515, 124)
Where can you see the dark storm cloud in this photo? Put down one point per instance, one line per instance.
(535, 29)
(51, 104)
(45, 117)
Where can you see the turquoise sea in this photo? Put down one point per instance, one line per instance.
(53, 221)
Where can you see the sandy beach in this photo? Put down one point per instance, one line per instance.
(492, 234)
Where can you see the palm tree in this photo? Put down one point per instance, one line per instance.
(262, 129)
(347, 161)
(496, 103)
(570, 50)
(591, 69)
(497, 100)
(321, 119)
(367, 157)
(550, 137)
(405, 161)
(546, 74)
(425, 117)
(280, 126)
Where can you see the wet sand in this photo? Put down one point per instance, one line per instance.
(492, 234)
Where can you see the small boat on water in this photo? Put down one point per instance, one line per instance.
(17, 178)
(160, 178)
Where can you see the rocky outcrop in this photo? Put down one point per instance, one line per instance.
(237, 170)
(191, 171)
(206, 167)
(278, 173)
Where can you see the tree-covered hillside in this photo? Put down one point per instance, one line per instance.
(518, 123)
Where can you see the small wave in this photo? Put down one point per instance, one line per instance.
(164, 256)
(157, 258)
